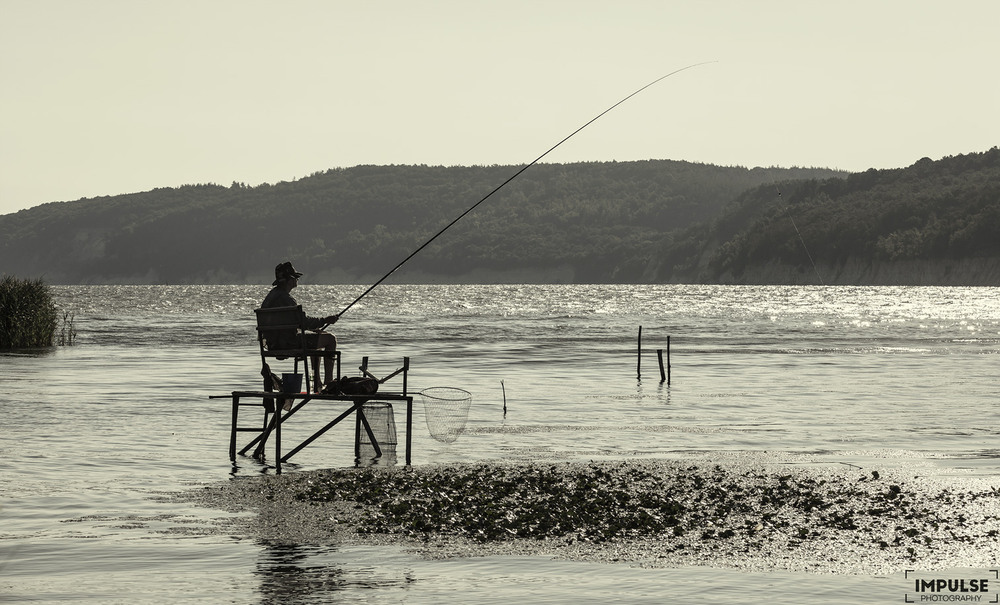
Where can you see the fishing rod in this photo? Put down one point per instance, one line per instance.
(788, 212)
(512, 177)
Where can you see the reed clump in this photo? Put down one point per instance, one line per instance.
(67, 330)
(28, 316)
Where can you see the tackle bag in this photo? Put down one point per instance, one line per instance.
(355, 385)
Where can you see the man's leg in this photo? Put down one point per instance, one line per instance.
(327, 342)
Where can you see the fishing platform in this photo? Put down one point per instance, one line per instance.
(285, 326)
(273, 404)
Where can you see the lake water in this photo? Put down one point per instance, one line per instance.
(94, 433)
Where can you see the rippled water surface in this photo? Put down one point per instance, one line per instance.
(93, 433)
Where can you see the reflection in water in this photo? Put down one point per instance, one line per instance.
(246, 464)
(294, 574)
(368, 457)
(35, 352)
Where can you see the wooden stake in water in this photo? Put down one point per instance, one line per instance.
(502, 388)
(664, 376)
(638, 361)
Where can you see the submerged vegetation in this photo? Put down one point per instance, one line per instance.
(675, 507)
(28, 315)
(489, 503)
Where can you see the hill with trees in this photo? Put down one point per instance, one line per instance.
(935, 222)
(582, 222)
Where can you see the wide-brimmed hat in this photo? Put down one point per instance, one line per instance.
(284, 271)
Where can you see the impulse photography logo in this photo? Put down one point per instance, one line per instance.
(974, 587)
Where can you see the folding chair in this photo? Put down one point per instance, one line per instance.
(283, 325)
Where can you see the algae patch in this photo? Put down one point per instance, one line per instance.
(680, 507)
(750, 516)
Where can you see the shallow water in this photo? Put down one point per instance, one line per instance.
(93, 433)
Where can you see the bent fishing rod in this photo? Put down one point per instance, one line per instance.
(801, 239)
(512, 177)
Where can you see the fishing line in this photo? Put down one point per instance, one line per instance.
(512, 177)
(801, 240)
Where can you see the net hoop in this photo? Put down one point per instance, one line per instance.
(446, 411)
(446, 394)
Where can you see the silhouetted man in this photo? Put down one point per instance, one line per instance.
(285, 279)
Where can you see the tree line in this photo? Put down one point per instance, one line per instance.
(603, 219)
(656, 220)
(932, 211)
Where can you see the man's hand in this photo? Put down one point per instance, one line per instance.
(331, 319)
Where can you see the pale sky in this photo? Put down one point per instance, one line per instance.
(102, 97)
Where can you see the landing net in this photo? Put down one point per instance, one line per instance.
(446, 410)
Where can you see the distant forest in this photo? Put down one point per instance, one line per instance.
(933, 218)
(600, 219)
(646, 221)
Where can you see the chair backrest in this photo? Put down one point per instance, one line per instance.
(277, 321)
(281, 329)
